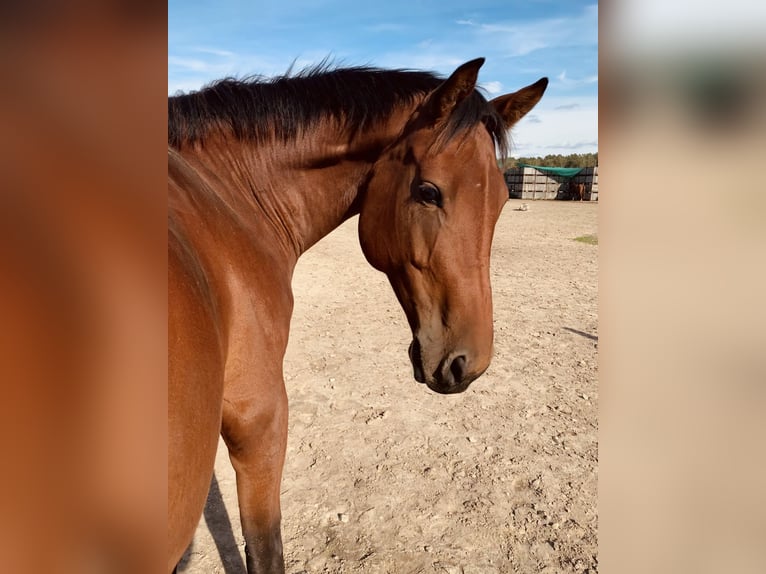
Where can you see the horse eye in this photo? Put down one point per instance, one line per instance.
(429, 193)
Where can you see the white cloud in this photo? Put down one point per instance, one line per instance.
(186, 73)
(193, 64)
(567, 82)
(558, 126)
(492, 88)
(185, 85)
(214, 51)
(521, 38)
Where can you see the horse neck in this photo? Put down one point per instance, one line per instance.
(296, 191)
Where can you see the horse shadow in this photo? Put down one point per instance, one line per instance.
(219, 524)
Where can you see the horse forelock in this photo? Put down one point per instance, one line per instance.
(258, 109)
(473, 111)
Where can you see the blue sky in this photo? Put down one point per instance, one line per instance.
(522, 41)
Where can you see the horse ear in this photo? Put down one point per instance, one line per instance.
(453, 90)
(513, 107)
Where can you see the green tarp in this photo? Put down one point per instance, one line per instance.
(560, 171)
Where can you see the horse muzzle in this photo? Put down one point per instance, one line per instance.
(452, 375)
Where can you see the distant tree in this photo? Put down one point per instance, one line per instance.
(557, 160)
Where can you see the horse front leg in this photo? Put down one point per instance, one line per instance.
(255, 431)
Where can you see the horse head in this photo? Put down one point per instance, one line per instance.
(428, 216)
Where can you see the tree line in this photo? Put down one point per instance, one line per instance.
(557, 160)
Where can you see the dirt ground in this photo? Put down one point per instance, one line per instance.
(383, 475)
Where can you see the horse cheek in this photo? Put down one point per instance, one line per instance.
(373, 241)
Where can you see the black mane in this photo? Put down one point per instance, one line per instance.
(257, 109)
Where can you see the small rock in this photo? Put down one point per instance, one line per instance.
(471, 439)
(342, 517)
(427, 548)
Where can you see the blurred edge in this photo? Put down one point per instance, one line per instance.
(683, 276)
(83, 286)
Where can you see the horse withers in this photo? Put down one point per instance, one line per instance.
(261, 170)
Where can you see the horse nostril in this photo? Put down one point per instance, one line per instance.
(457, 368)
(416, 358)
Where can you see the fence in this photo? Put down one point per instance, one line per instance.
(529, 183)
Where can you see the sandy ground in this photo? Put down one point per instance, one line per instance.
(383, 475)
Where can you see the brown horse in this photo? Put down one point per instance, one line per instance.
(577, 190)
(261, 170)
